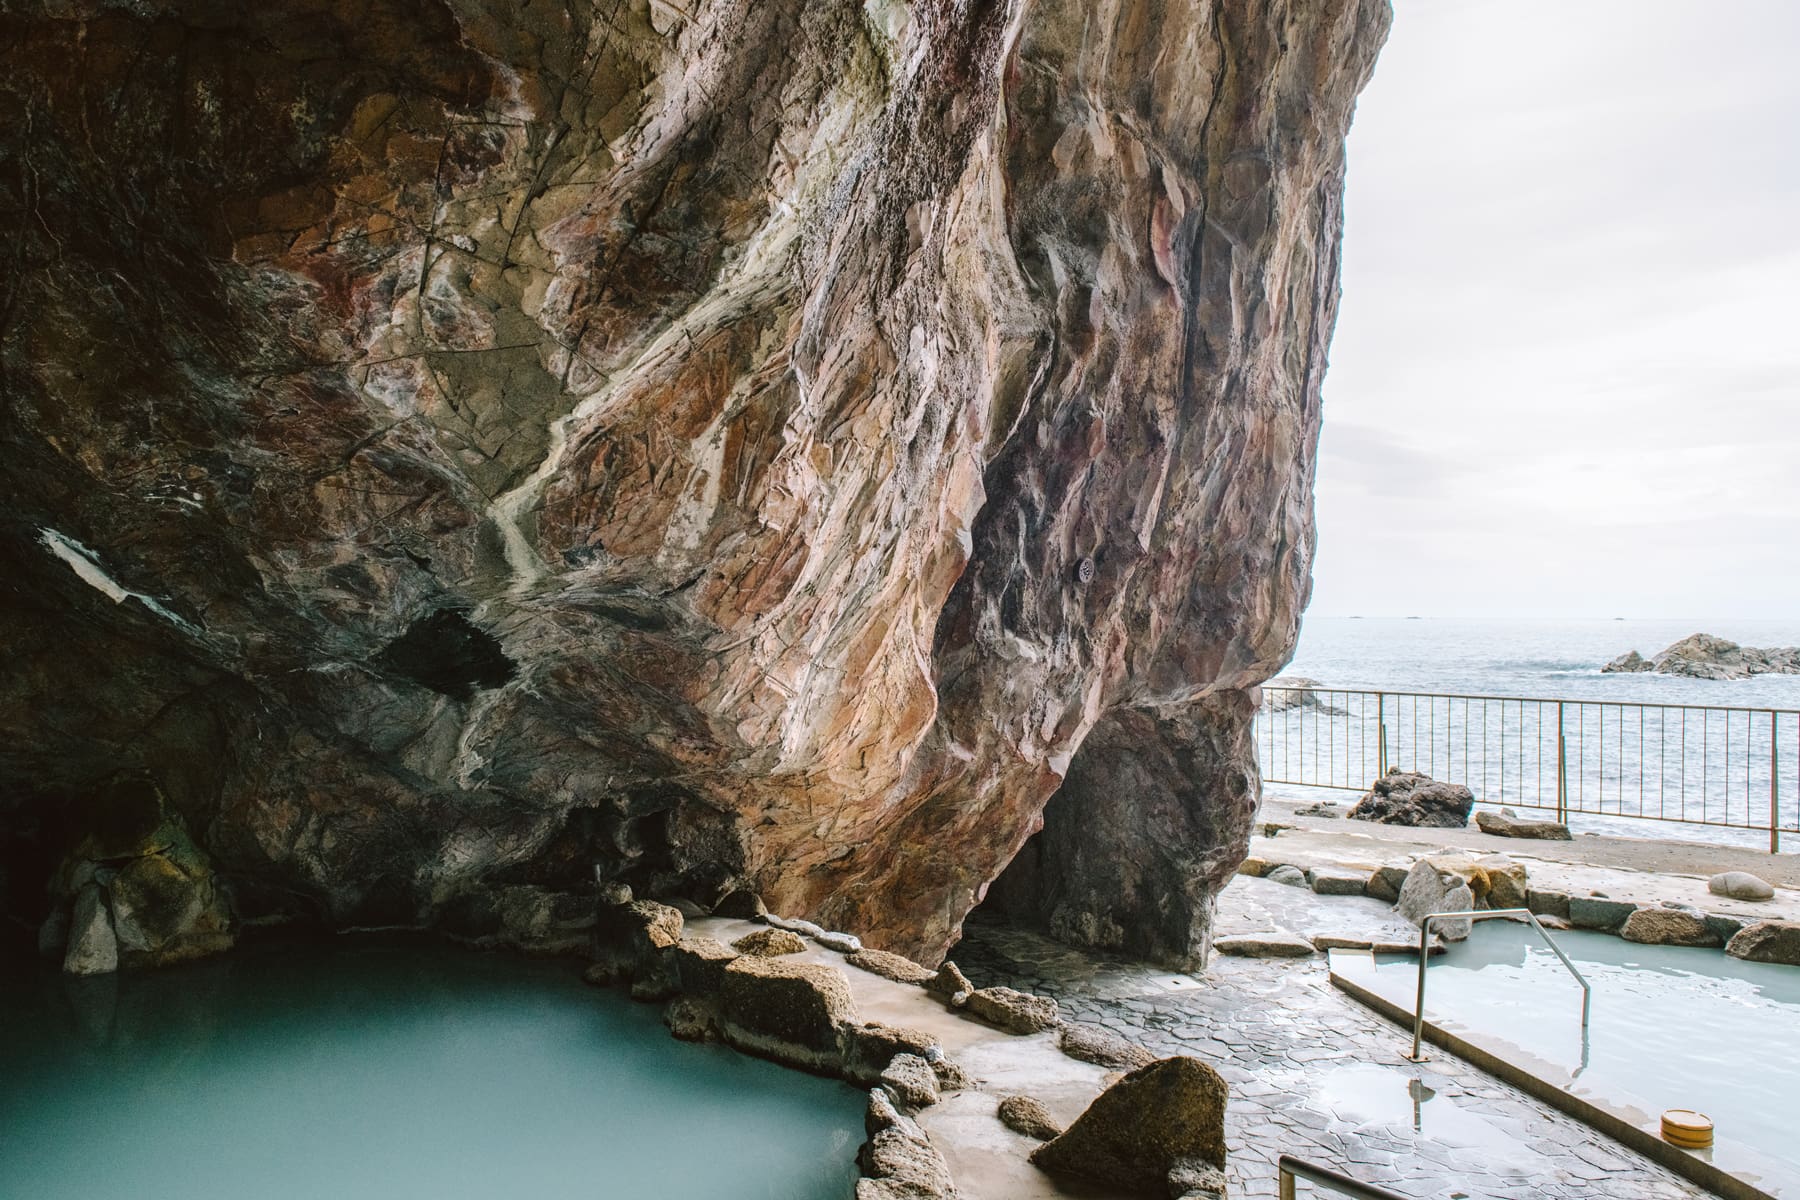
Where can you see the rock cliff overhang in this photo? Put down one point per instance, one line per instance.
(453, 443)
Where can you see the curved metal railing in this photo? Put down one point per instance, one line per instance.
(1587, 993)
(1699, 764)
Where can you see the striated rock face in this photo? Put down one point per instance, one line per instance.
(453, 443)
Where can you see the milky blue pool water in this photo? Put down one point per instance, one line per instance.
(1670, 1028)
(379, 1070)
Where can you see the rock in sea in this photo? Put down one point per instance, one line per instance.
(1703, 656)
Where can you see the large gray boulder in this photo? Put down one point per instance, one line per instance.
(1142, 1127)
(1428, 890)
(1409, 798)
(1740, 885)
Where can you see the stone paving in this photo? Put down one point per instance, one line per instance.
(1316, 1075)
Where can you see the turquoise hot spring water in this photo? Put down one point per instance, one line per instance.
(1671, 1027)
(360, 1068)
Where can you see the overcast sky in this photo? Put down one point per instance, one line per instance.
(1566, 377)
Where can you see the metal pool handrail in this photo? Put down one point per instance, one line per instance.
(1587, 993)
(1290, 1168)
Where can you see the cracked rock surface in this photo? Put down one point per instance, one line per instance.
(746, 444)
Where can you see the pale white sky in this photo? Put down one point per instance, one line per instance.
(1566, 377)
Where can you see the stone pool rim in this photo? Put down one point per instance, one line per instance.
(1730, 1168)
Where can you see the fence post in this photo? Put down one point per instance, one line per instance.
(1562, 769)
(1774, 791)
(1381, 763)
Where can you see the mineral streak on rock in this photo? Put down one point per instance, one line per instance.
(753, 445)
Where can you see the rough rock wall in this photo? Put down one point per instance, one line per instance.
(449, 443)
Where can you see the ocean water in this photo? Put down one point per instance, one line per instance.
(1640, 754)
(1560, 658)
(362, 1068)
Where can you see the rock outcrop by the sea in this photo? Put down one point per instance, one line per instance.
(798, 449)
(1409, 798)
(1703, 656)
(1286, 693)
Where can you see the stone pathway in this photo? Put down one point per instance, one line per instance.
(1316, 1075)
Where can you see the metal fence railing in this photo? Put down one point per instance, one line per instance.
(1732, 767)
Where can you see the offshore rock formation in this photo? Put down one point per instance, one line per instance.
(453, 443)
(1703, 656)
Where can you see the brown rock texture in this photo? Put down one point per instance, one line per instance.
(742, 444)
(1767, 941)
(1168, 1114)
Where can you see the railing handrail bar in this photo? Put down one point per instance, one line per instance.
(1289, 1168)
(1352, 691)
(1587, 993)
